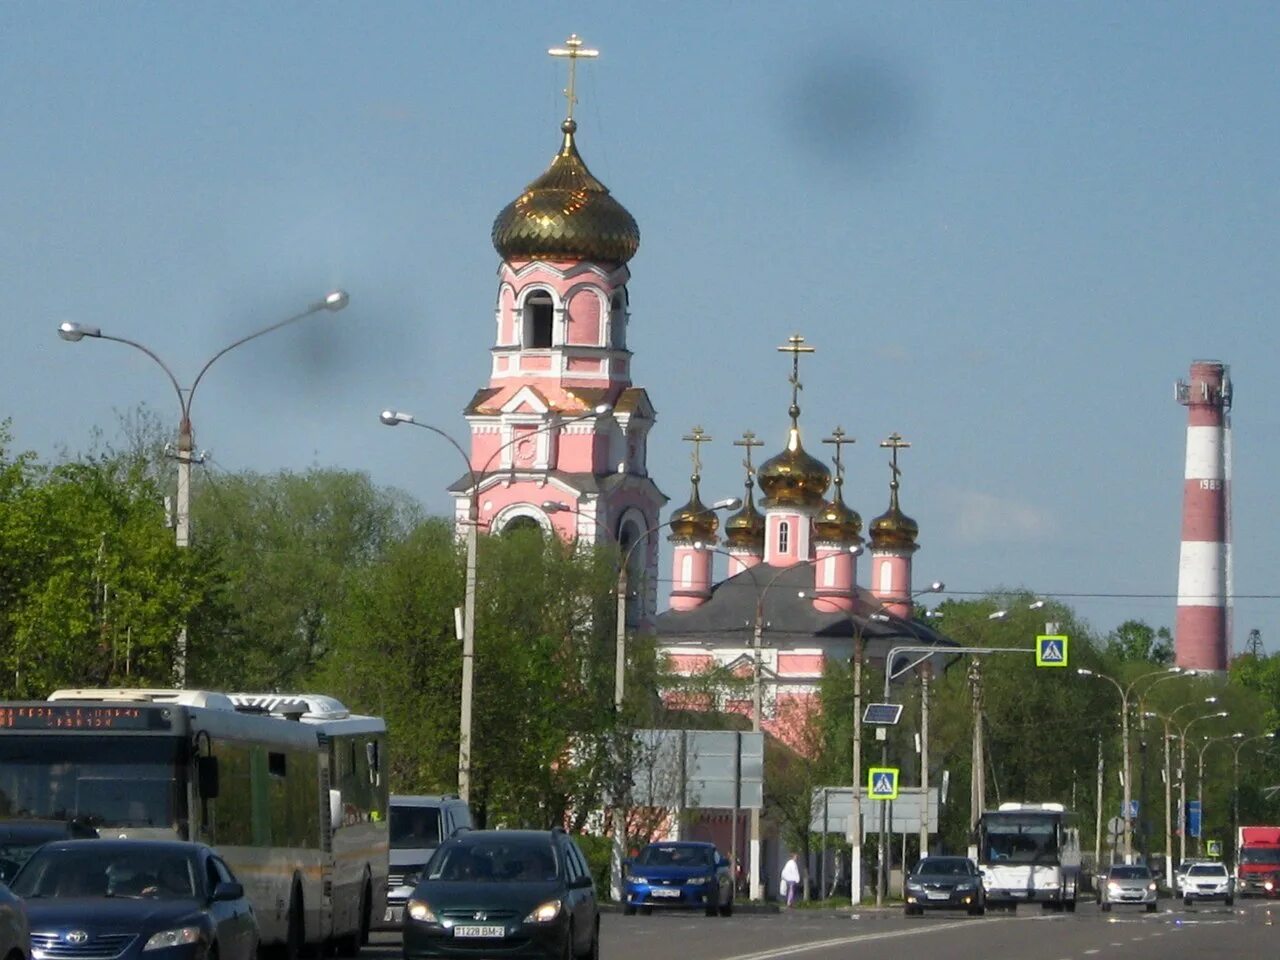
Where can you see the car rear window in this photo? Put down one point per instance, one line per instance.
(1207, 870)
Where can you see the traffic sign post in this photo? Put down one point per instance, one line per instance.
(1051, 650)
(1213, 848)
(882, 783)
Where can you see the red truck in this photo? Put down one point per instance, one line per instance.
(1258, 861)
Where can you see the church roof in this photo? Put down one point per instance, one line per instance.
(728, 617)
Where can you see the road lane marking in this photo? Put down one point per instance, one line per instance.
(1091, 952)
(788, 949)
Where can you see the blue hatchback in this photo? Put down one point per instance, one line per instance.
(678, 874)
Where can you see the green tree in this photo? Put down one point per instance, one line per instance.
(1137, 640)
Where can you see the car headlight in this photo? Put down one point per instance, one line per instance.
(544, 912)
(173, 938)
(1269, 885)
(1151, 886)
(421, 911)
(698, 880)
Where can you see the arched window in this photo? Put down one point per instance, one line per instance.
(539, 312)
(635, 572)
(886, 577)
(522, 527)
(784, 537)
(618, 321)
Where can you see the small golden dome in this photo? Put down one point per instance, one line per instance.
(893, 528)
(745, 529)
(837, 522)
(695, 520)
(793, 477)
(566, 214)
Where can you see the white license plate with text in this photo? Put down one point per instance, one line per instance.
(664, 892)
(479, 930)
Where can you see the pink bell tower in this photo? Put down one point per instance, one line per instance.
(893, 541)
(559, 433)
(693, 539)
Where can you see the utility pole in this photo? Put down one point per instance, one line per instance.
(924, 761)
(1097, 831)
(977, 776)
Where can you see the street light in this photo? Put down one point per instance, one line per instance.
(620, 673)
(75, 332)
(1125, 690)
(393, 418)
(1169, 721)
(1235, 787)
(855, 818)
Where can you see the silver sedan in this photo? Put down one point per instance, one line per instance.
(1128, 883)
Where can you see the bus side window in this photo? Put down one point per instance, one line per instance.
(276, 764)
(371, 755)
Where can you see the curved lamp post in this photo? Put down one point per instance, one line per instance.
(1125, 690)
(620, 673)
(393, 418)
(1241, 740)
(75, 332)
(1169, 721)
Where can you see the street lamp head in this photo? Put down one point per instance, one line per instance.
(1035, 605)
(601, 409)
(882, 617)
(1210, 699)
(934, 614)
(730, 503)
(936, 587)
(394, 418)
(555, 506)
(1222, 713)
(74, 332)
(335, 300)
(998, 615)
(1084, 672)
(1237, 735)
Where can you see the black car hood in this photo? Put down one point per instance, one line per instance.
(946, 878)
(111, 914)
(520, 897)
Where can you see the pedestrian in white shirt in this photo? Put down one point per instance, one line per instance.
(790, 884)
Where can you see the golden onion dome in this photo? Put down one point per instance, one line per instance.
(837, 522)
(893, 528)
(793, 477)
(695, 520)
(745, 529)
(566, 214)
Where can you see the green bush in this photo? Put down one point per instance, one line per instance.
(597, 850)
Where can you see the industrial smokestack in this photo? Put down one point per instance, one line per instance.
(1201, 631)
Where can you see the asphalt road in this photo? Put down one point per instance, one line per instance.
(1203, 932)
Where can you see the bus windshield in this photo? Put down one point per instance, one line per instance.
(1019, 839)
(110, 781)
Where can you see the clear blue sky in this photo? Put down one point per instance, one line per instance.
(1008, 228)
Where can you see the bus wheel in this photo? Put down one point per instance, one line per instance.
(348, 945)
(296, 939)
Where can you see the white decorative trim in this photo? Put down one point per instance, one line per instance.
(510, 512)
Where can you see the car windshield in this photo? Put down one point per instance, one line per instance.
(494, 861)
(414, 827)
(102, 871)
(943, 867)
(675, 855)
(1207, 870)
(1130, 873)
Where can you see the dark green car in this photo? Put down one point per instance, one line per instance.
(514, 893)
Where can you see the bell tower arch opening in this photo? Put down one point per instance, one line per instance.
(539, 320)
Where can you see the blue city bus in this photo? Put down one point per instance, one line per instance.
(291, 790)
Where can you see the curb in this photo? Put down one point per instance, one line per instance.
(739, 907)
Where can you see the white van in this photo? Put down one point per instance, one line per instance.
(418, 824)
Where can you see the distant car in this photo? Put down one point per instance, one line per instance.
(678, 874)
(945, 883)
(1181, 871)
(418, 825)
(1129, 883)
(1208, 881)
(15, 937)
(128, 899)
(509, 893)
(21, 838)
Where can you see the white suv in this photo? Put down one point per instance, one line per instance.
(1208, 881)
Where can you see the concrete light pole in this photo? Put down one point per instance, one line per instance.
(75, 332)
(1241, 740)
(392, 418)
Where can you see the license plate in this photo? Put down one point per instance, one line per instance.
(663, 892)
(1017, 893)
(938, 896)
(394, 915)
(488, 930)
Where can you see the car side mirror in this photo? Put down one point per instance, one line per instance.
(581, 883)
(228, 891)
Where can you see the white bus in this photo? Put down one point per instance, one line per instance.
(291, 790)
(1030, 853)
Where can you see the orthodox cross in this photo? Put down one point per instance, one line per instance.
(697, 437)
(795, 346)
(839, 438)
(748, 440)
(572, 50)
(895, 443)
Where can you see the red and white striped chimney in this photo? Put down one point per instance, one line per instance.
(1201, 638)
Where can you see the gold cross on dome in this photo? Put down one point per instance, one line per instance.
(697, 437)
(839, 438)
(748, 440)
(795, 346)
(895, 443)
(572, 50)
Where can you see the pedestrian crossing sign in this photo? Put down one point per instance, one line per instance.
(1051, 651)
(882, 783)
